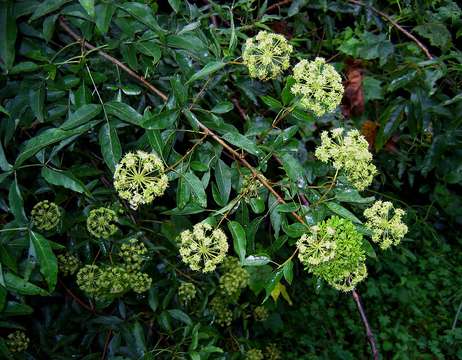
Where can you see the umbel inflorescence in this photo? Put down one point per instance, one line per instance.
(386, 224)
(333, 251)
(267, 55)
(17, 342)
(348, 154)
(139, 178)
(203, 248)
(100, 222)
(45, 215)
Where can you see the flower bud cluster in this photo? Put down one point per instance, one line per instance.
(349, 154)
(186, 292)
(250, 187)
(17, 341)
(139, 178)
(318, 85)
(110, 281)
(267, 55)
(260, 313)
(341, 263)
(386, 224)
(272, 352)
(45, 215)
(221, 311)
(100, 222)
(254, 354)
(203, 248)
(234, 279)
(68, 264)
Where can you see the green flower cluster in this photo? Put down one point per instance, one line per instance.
(203, 248)
(100, 222)
(139, 178)
(267, 55)
(250, 187)
(68, 264)
(110, 281)
(386, 223)
(17, 342)
(45, 215)
(254, 354)
(221, 311)
(318, 85)
(234, 278)
(260, 313)
(187, 292)
(349, 154)
(342, 266)
(272, 352)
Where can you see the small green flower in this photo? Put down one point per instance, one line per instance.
(87, 279)
(343, 268)
(254, 354)
(349, 154)
(46, 215)
(186, 292)
(133, 254)
(17, 341)
(234, 279)
(139, 178)
(272, 352)
(318, 85)
(267, 55)
(203, 248)
(250, 187)
(100, 222)
(317, 246)
(219, 307)
(386, 223)
(140, 282)
(68, 264)
(260, 313)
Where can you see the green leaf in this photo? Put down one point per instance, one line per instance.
(187, 42)
(16, 203)
(180, 316)
(223, 107)
(208, 69)
(271, 102)
(46, 258)
(256, 260)
(150, 49)
(293, 168)
(389, 121)
(197, 188)
(47, 7)
(81, 116)
(142, 13)
(175, 4)
(240, 239)
(4, 164)
(104, 13)
(19, 285)
(8, 33)
(160, 121)
(242, 142)
(110, 145)
(123, 112)
(24, 67)
(64, 179)
(89, 6)
(223, 179)
(342, 212)
(437, 33)
(288, 271)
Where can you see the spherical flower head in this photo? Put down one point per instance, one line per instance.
(45, 215)
(254, 354)
(272, 352)
(349, 154)
(267, 55)
(234, 279)
(133, 253)
(139, 178)
(317, 246)
(386, 224)
(140, 282)
(219, 307)
(187, 292)
(250, 187)
(260, 313)
(203, 248)
(68, 264)
(17, 341)
(347, 266)
(87, 279)
(318, 85)
(113, 281)
(100, 222)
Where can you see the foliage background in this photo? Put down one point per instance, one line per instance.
(411, 113)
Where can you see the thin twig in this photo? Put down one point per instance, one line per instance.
(457, 316)
(370, 335)
(395, 24)
(75, 297)
(106, 344)
(278, 5)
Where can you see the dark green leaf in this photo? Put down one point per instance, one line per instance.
(124, 112)
(239, 239)
(7, 34)
(207, 70)
(110, 145)
(81, 116)
(64, 179)
(46, 258)
(16, 203)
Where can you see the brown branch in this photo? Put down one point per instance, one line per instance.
(278, 5)
(76, 298)
(395, 24)
(369, 334)
(106, 344)
(228, 149)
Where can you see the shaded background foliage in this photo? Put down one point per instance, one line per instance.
(408, 105)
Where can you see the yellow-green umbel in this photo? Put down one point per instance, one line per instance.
(386, 224)
(45, 215)
(267, 55)
(186, 292)
(222, 314)
(348, 154)
(260, 313)
(254, 354)
(139, 178)
(133, 253)
(100, 222)
(317, 85)
(234, 278)
(203, 248)
(68, 264)
(17, 342)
